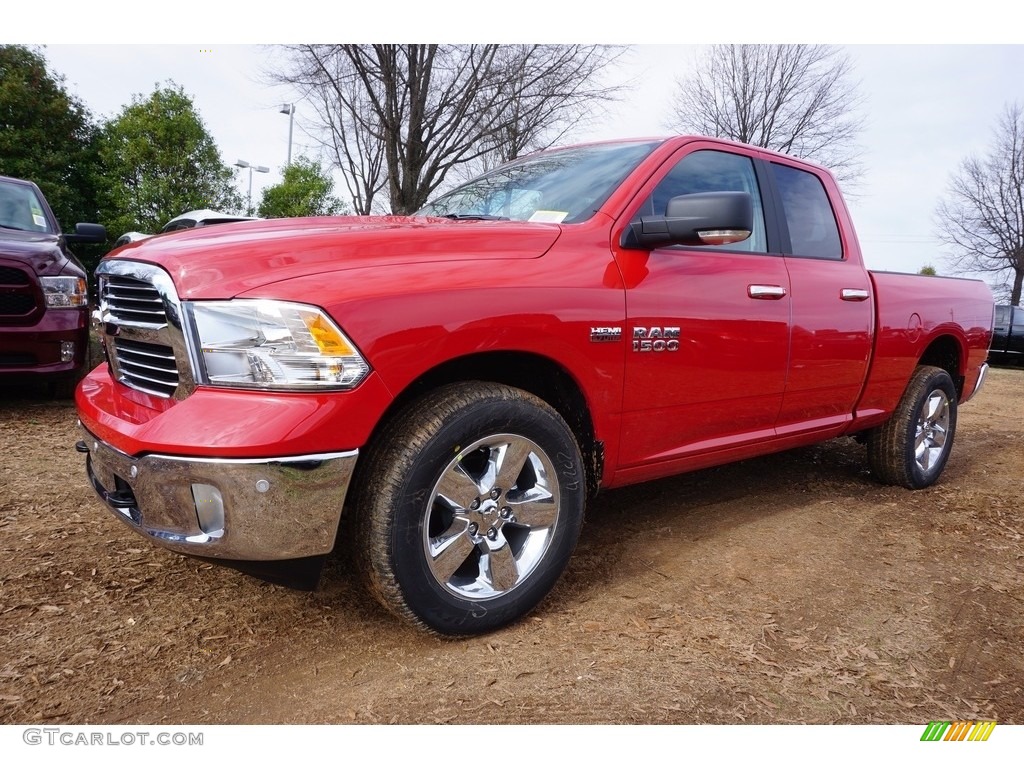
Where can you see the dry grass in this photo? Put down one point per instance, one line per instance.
(789, 589)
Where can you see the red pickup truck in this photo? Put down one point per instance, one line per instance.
(459, 382)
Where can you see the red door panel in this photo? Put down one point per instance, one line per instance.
(722, 383)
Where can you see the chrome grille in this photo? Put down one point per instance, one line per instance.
(139, 318)
(129, 300)
(149, 367)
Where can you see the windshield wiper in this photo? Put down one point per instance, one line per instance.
(474, 217)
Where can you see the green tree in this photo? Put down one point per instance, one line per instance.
(47, 135)
(928, 269)
(306, 190)
(159, 161)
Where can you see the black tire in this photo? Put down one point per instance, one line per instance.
(63, 388)
(469, 508)
(912, 447)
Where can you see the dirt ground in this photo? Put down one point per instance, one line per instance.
(788, 589)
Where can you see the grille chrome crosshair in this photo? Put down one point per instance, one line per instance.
(130, 300)
(147, 366)
(139, 320)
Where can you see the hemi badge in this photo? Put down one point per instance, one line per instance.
(606, 333)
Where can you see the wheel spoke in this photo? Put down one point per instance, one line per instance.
(457, 488)
(500, 567)
(509, 463)
(536, 508)
(920, 442)
(453, 549)
(924, 459)
(936, 403)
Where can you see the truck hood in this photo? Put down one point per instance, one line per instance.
(38, 250)
(225, 260)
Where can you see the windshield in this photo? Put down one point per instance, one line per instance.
(20, 208)
(566, 185)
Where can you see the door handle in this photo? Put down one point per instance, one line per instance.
(853, 294)
(766, 291)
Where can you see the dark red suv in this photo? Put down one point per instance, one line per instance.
(44, 301)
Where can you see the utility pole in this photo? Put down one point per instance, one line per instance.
(289, 109)
(251, 167)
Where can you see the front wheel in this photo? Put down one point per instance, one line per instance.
(470, 507)
(912, 447)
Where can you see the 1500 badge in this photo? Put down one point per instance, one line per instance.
(656, 339)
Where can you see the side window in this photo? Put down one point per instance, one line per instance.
(812, 224)
(1002, 316)
(1018, 320)
(712, 171)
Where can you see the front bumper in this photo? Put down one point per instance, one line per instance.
(227, 509)
(56, 344)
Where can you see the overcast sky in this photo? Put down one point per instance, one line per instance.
(928, 105)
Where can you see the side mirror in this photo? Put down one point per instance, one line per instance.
(703, 218)
(87, 233)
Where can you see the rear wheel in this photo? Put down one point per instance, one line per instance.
(470, 508)
(912, 447)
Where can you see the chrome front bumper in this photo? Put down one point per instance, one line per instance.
(232, 509)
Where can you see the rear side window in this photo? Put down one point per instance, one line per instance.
(812, 224)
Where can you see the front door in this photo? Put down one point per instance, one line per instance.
(707, 327)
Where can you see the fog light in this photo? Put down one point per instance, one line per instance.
(209, 508)
(67, 351)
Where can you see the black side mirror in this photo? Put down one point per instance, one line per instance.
(87, 233)
(703, 218)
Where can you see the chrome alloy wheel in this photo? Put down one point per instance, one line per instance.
(932, 428)
(491, 517)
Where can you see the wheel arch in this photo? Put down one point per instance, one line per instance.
(947, 352)
(540, 376)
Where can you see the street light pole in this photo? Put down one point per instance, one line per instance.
(251, 167)
(289, 109)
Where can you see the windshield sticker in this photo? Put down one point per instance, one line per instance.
(39, 220)
(550, 217)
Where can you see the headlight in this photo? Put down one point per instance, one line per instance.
(64, 292)
(272, 345)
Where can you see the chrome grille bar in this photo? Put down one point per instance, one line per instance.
(149, 367)
(130, 300)
(139, 319)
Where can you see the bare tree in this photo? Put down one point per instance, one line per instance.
(797, 99)
(401, 118)
(982, 216)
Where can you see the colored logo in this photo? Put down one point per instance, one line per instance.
(959, 730)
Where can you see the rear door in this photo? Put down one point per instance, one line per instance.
(831, 302)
